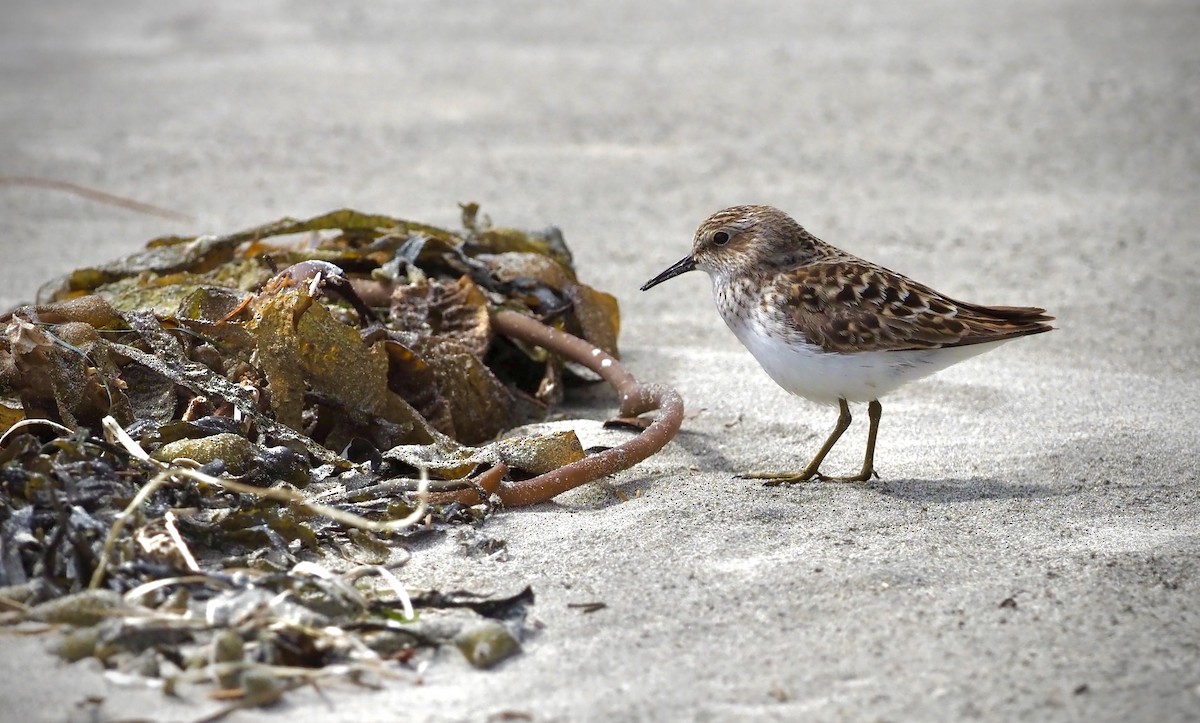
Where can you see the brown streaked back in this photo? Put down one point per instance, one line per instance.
(850, 305)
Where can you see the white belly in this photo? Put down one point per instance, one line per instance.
(825, 377)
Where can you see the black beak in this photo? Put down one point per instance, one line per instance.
(684, 265)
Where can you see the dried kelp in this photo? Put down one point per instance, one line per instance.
(204, 327)
(195, 438)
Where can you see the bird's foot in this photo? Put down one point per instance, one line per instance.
(775, 479)
(865, 476)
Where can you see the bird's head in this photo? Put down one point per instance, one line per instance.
(735, 241)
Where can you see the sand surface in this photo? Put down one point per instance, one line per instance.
(1031, 152)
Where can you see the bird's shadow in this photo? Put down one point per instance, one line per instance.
(970, 489)
(944, 491)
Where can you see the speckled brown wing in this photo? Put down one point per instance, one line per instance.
(850, 305)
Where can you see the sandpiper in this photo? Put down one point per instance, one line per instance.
(831, 327)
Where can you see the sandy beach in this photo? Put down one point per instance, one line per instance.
(1032, 548)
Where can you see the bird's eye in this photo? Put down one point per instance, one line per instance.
(720, 238)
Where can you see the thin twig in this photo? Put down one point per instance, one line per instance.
(149, 587)
(184, 552)
(33, 422)
(392, 581)
(93, 194)
(119, 523)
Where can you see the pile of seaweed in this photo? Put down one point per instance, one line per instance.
(212, 448)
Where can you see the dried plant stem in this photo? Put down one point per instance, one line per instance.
(171, 471)
(180, 545)
(33, 422)
(93, 194)
(119, 523)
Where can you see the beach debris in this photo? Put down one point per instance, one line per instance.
(213, 451)
(588, 607)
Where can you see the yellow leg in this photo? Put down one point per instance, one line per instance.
(874, 411)
(812, 470)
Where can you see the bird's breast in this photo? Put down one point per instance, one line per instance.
(809, 371)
